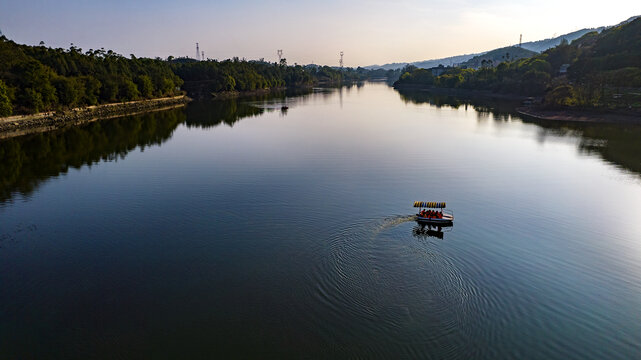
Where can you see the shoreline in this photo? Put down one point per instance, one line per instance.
(580, 116)
(19, 125)
(225, 95)
(536, 112)
(461, 92)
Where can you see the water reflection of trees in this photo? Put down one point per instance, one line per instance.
(616, 144)
(497, 109)
(208, 114)
(211, 113)
(30, 160)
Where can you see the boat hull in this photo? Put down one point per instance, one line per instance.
(445, 221)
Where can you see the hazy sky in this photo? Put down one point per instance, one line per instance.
(369, 32)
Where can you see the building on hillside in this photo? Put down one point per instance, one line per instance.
(564, 69)
(438, 71)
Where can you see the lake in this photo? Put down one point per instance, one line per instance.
(237, 229)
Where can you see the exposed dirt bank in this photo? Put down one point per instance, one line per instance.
(28, 124)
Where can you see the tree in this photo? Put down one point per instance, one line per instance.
(563, 95)
(145, 86)
(109, 90)
(92, 90)
(534, 82)
(5, 102)
(69, 90)
(37, 77)
(32, 100)
(167, 86)
(127, 90)
(230, 83)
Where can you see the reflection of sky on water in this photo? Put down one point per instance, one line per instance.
(299, 223)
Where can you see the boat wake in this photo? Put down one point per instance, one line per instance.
(390, 222)
(377, 283)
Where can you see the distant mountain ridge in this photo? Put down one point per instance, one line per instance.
(596, 71)
(448, 61)
(535, 46)
(495, 57)
(542, 45)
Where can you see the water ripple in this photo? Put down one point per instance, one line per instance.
(375, 280)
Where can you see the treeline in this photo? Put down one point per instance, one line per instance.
(241, 75)
(596, 70)
(211, 76)
(526, 77)
(37, 78)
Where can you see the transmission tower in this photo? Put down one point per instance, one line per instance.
(197, 52)
(202, 55)
(280, 55)
(341, 61)
(520, 40)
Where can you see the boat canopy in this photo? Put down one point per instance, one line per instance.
(429, 204)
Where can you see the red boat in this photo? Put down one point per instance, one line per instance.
(440, 218)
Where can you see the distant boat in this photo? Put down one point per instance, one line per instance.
(442, 219)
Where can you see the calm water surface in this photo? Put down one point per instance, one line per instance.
(235, 229)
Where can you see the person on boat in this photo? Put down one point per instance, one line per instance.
(422, 213)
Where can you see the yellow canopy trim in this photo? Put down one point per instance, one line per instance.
(429, 204)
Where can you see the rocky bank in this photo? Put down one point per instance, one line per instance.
(27, 124)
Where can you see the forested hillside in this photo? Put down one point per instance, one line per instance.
(491, 58)
(596, 70)
(212, 76)
(542, 45)
(38, 78)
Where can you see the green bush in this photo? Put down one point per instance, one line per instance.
(563, 95)
(5, 103)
